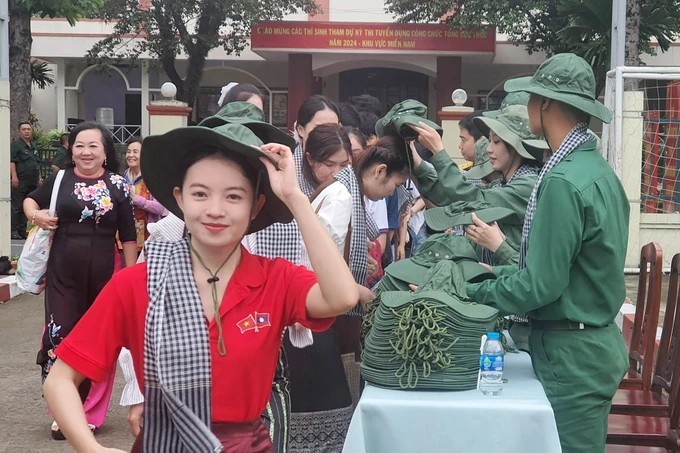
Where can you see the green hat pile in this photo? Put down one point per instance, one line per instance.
(429, 339)
(438, 247)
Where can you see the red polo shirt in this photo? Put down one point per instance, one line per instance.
(271, 294)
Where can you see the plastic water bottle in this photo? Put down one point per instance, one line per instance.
(491, 365)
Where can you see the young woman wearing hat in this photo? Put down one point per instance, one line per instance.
(208, 354)
(443, 183)
(570, 277)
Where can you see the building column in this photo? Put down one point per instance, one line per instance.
(61, 94)
(145, 99)
(449, 77)
(300, 83)
(165, 116)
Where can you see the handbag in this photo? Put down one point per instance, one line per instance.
(32, 263)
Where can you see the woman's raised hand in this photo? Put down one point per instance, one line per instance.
(283, 181)
(428, 137)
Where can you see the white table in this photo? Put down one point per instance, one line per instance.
(519, 420)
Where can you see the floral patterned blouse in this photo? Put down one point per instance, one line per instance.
(102, 202)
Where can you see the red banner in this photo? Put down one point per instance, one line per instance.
(324, 36)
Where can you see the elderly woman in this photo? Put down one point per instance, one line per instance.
(92, 205)
(146, 209)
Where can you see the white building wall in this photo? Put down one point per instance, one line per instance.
(44, 104)
(359, 11)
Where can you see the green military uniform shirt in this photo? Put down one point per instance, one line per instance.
(576, 250)
(27, 161)
(60, 158)
(442, 183)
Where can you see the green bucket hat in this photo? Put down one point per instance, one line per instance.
(567, 78)
(440, 247)
(516, 98)
(460, 213)
(163, 154)
(512, 126)
(482, 167)
(252, 117)
(400, 117)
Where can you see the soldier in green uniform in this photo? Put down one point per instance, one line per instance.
(25, 174)
(570, 277)
(60, 160)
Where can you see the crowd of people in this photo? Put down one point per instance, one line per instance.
(249, 255)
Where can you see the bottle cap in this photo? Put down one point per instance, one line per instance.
(493, 336)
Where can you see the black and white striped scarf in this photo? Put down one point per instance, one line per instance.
(575, 138)
(358, 245)
(283, 240)
(177, 364)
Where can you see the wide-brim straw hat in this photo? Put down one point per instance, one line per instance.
(163, 154)
(566, 78)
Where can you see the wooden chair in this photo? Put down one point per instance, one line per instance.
(657, 431)
(643, 339)
(652, 402)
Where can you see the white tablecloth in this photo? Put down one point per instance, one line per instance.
(518, 420)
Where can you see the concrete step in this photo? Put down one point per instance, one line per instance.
(9, 288)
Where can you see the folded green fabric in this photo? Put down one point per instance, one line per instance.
(401, 117)
(460, 213)
(437, 247)
(427, 339)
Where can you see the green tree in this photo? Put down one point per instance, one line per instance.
(20, 41)
(41, 75)
(554, 26)
(168, 28)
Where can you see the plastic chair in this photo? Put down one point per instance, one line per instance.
(643, 339)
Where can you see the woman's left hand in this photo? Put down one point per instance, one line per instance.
(428, 137)
(488, 236)
(283, 181)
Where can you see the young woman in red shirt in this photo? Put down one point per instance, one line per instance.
(202, 317)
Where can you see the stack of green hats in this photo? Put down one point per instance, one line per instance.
(438, 247)
(429, 339)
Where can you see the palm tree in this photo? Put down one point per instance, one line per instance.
(41, 75)
(588, 31)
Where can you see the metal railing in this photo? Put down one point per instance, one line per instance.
(121, 132)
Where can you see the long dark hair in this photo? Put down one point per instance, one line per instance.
(356, 132)
(111, 162)
(242, 92)
(324, 141)
(312, 106)
(385, 151)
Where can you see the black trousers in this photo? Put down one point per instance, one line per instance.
(18, 195)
